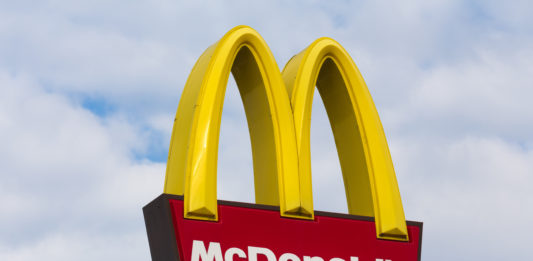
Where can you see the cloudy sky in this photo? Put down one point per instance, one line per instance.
(89, 92)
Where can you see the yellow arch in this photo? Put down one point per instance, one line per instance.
(368, 173)
(192, 161)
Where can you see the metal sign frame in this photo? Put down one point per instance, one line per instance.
(162, 230)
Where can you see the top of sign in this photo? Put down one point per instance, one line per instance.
(278, 111)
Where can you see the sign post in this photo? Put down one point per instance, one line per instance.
(188, 223)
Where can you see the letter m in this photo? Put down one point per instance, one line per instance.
(199, 253)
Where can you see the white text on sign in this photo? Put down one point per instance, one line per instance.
(214, 253)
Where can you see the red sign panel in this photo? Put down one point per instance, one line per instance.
(258, 233)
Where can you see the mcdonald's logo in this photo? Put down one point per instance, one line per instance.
(188, 223)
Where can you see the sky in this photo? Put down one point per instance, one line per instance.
(89, 91)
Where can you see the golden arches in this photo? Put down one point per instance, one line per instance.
(279, 134)
(191, 167)
(368, 173)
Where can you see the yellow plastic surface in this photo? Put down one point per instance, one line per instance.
(369, 178)
(280, 134)
(192, 162)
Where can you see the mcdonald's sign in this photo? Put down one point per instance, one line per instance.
(187, 222)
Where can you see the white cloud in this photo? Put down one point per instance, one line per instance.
(67, 176)
(471, 192)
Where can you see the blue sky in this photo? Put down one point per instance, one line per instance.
(90, 90)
